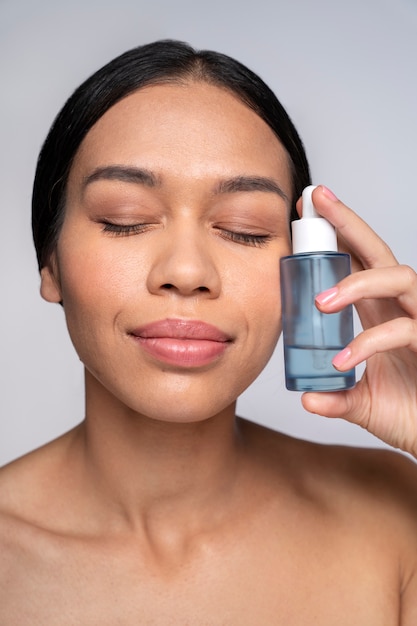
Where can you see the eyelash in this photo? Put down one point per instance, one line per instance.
(248, 239)
(120, 230)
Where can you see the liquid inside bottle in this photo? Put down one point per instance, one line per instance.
(312, 338)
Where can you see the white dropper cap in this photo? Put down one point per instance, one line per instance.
(312, 233)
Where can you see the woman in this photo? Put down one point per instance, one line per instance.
(161, 208)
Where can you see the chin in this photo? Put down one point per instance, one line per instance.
(185, 414)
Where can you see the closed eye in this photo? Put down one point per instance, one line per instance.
(120, 230)
(248, 239)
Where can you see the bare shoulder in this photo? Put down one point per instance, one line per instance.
(375, 475)
(34, 471)
(371, 490)
(365, 477)
(29, 492)
(365, 499)
(30, 497)
(381, 488)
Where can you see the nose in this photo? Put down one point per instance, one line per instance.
(184, 264)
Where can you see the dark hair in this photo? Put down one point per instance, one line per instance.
(154, 63)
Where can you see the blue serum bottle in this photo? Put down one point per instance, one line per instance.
(312, 338)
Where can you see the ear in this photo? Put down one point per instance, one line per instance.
(50, 282)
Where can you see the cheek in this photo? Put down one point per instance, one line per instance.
(262, 314)
(100, 278)
(261, 282)
(260, 301)
(96, 285)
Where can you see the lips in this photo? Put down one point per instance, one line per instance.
(184, 343)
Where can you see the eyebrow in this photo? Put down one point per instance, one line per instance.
(142, 176)
(139, 176)
(251, 183)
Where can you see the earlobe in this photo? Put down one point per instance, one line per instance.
(50, 284)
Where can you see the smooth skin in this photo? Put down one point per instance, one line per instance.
(162, 507)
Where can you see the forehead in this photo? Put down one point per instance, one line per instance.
(195, 128)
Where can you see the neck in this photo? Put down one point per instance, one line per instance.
(154, 472)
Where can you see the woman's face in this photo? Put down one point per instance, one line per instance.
(168, 259)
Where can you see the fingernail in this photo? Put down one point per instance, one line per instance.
(329, 194)
(342, 357)
(325, 296)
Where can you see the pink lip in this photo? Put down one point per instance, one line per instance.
(184, 343)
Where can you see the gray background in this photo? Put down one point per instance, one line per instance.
(346, 71)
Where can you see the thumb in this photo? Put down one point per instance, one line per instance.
(347, 405)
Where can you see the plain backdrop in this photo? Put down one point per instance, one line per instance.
(346, 72)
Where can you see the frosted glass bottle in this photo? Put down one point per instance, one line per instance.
(312, 338)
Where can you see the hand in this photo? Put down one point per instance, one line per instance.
(384, 293)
